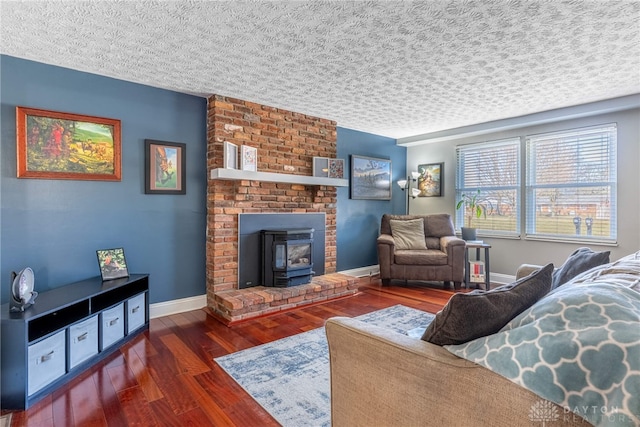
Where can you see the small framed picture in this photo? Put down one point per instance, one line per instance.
(112, 263)
(321, 166)
(165, 167)
(336, 168)
(430, 181)
(249, 158)
(230, 155)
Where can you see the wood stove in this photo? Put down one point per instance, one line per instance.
(287, 257)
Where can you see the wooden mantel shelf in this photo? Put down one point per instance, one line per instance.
(236, 174)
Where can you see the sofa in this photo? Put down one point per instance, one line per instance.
(420, 247)
(380, 377)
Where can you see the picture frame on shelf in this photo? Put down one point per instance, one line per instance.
(430, 181)
(112, 263)
(165, 167)
(230, 155)
(56, 145)
(370, 178)
(321, 167)
(249, 158)
(336, 168)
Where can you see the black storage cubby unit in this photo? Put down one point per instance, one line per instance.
(51, 319)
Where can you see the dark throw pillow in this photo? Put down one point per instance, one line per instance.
(581, 260)
(480, 313)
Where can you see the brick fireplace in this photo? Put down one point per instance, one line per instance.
(286, 143)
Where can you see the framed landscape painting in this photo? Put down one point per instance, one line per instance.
(430, 182)
(165, 167)
(370, 178)
(54, 145)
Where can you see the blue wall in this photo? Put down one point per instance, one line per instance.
(55, 226)
(358, 221)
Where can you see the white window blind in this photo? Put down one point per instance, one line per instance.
(571, 185)
(493, 168)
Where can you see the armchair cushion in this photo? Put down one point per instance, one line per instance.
(408, 234)
(426, 257)
(480, 313)
(439, 225)
(433, 242)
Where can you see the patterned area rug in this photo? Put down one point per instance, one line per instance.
(289, 378)
(5, 420)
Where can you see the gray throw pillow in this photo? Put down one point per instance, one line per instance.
(581, 260)
(476, 314)
(408, 233)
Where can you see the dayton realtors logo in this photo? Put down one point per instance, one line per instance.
(543, 412)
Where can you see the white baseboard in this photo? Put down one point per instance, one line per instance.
(362, 271)
(166, 308)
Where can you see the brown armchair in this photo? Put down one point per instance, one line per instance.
(429, 251)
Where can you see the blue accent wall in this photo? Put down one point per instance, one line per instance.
(56, 226)
(358, 221)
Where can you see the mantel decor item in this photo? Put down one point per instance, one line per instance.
(112, 263)
(249, 158)
(336, 168)
(54, 145)
(370, 178)
(430, 181)
(165, 167)
(321, 167)
(230, 155)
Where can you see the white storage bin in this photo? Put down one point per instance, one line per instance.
(112, 325)
(46, 361)
(135, 312)
(83, 341)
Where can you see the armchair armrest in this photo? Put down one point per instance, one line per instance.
(447, 243)
(386, 239)
(386, 248)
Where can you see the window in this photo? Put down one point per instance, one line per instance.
(571, 185)
(493, 169)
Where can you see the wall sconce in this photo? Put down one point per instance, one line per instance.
(405, 184)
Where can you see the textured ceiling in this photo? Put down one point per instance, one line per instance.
(392, 68)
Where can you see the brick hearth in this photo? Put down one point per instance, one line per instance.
(239, 304)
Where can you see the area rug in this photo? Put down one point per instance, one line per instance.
(5, 420)
(289, 377)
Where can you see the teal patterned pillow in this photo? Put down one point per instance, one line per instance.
(579, 347)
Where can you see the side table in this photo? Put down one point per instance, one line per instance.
(477, 246)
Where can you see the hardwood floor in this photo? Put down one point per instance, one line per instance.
(167, 376)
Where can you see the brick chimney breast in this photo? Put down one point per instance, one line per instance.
(286, 142)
